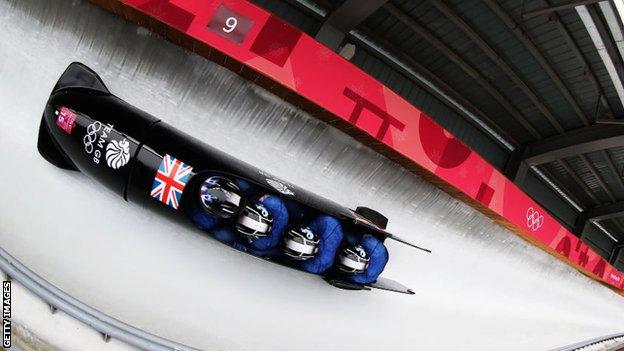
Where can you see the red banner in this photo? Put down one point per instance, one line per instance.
(281, 52)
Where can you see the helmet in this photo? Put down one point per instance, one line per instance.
(255, 221)
(353, 259)
(301, 243)
(219, 196)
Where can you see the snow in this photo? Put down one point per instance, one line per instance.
(483, 288)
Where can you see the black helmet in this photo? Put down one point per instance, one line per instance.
(219, 196)
(301, 243)
(255, 221)
(353, 259)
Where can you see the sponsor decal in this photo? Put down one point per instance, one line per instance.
(170, 180)
(6, 314)
(95, 139)
(117, 153)
(66, 119)
(534, 219)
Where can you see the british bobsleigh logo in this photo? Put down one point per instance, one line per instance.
(117, 153)
(534, 219)
(95, 140)
(279, 186)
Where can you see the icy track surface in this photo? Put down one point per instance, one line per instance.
(483, 288)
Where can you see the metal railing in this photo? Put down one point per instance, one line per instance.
(58, 300)
(595, 341)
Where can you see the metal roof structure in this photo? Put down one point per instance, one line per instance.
(535, 86)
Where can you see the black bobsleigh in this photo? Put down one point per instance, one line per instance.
(85, 128)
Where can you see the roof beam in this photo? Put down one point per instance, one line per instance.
(517, 170)
(343, 19)
(602, 41)
(559, 188)
(453, 56)
(596, 174)
(537, 54)
(605, 212)
(612, 167)
(550, 9)
(594, 216)
(590, 74)
(426, 79)
(614, 24)
(413, 71)
(578, 180)
(579, 141)
(619, 226)
(498, 61)
(565, 33)
(614, 255)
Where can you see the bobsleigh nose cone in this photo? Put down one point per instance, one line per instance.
(95, 147)
(85, 128)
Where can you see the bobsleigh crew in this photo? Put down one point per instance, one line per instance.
(238, 214)
(236, 203)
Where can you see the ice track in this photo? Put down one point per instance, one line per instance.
(483, 288)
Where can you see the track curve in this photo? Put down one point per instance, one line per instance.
(481, 284)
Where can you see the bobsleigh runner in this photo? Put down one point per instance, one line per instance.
(86, 128)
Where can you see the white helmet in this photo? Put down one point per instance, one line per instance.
(255, 221)
(219, 196)
(301, 243)
(353, 259)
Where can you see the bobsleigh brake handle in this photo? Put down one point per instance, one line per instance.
(394, 237)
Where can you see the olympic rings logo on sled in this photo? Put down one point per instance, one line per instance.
(534, 219)
(91, 136)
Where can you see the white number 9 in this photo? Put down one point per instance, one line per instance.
(230, 24)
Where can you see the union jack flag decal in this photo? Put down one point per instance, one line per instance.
(170, 180)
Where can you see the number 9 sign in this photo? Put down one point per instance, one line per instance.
(230, 25)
